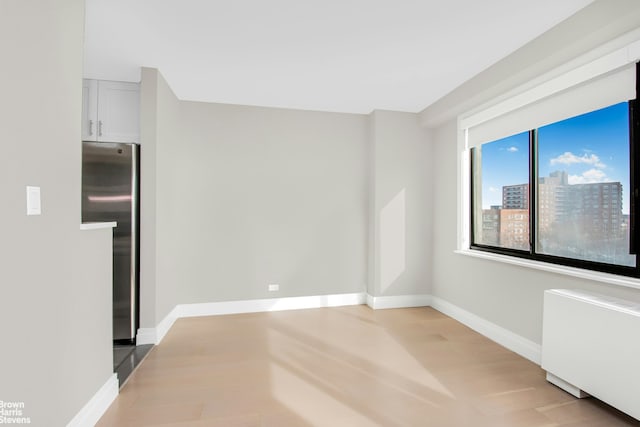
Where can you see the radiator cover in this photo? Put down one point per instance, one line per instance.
(592, 342)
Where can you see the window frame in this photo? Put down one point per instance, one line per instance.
(488, 248)
(531, 254)
(618, 52)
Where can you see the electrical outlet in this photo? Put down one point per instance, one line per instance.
(274, 287)
(33, 201)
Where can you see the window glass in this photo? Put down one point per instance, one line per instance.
(501, 193)
(583, 184)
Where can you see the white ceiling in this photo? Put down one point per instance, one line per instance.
(329, 55)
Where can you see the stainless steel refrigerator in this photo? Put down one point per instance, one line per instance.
(110, 189)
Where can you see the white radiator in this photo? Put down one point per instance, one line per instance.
(591, 343)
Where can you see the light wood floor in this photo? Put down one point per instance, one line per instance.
(346, 366)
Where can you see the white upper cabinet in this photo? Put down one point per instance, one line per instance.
(89, 109)
(110, 111)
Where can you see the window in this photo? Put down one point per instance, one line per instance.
(501, 193)
(559, 193)
(550, 172)
(586, 158)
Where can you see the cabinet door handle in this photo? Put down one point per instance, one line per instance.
(99, 127)
(90, 127)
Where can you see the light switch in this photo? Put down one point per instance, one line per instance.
(33, 200)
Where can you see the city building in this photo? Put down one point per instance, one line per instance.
(551, 199)
(490, 226)
(593, 210)
(514, 228)
(515, 196)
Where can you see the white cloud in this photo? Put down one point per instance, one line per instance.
(589, 177)
(568, 158)
(512, 149)
(494, 189)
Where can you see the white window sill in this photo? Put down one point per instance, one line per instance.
(611, 279)
(97, 225)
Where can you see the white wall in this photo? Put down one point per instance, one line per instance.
(238, 197)
(148, 132)
(507, 295)
(248, 196)
(400, 207)
(256, 196)
(160, 128)
(55, 280)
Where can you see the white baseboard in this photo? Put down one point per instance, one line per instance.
(271, 304)
(166, 324)
(155, 335)
(146, 336)
(398, 301)
(514, 342)
(98, 405)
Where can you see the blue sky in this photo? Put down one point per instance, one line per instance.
(593, 147)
